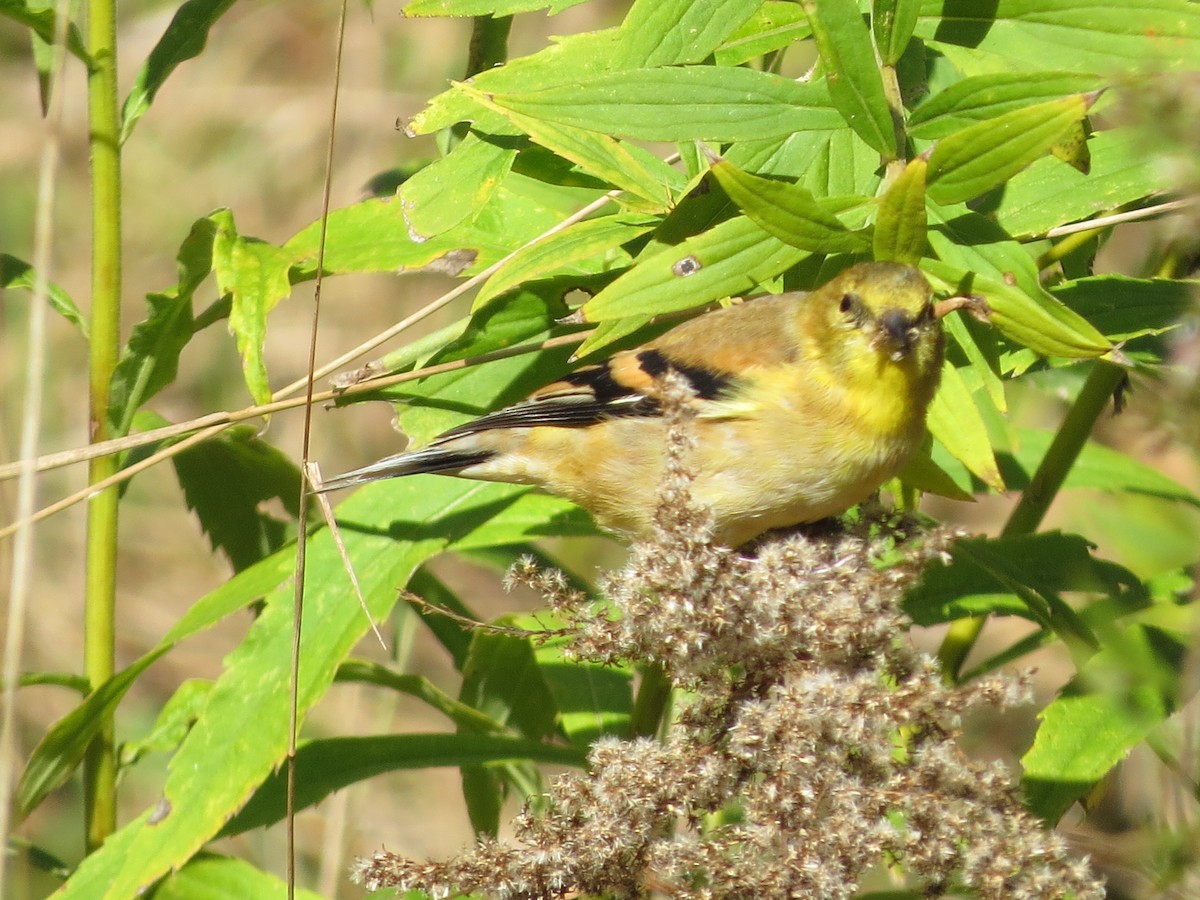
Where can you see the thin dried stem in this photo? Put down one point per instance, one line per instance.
(1133, 215)
(302, 517)
(31, 418)
(218, 422)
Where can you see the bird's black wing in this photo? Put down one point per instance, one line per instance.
(619, 388)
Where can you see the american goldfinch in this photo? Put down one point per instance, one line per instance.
(805, 404)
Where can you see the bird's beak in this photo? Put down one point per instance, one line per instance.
(894, 332)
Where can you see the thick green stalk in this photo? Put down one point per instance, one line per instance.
(1093, 399)
(488, 49)
(1027, 515)
(652, 701)
(489, 43)
(891, 89)
(99, 768)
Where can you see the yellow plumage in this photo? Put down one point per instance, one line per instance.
(805, 404)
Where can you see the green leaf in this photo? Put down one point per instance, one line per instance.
(985, 97)
(902, 225)
(775, 25)
(207, 877)
(325, 766)
(62, 747)
(727, 260)
(972, 241)
(585, 247)
(682, 103)
(564, 62)
(1048, 194)
(1118, 698)
(788, 212)
(841, 164)
(389, 528)
(1003, 269)
(976, 159)
(851, 73)
(893, 22)
(501, 678)
(1038, 322)
(1097, 466)
(173, 721)
(41, 23)
(1043, 604)
(1124, 309)
(607, 335)
(484, 790)
(225, 479)
(921, 472)
(255, 275)
(455, 188)
(955, 421)
(592, 700)
(184, 39)
(150, 360)
(416, 8)
(466, 717)
(1077, 35)
(1052, 562)
(1073, 148)
(16, 273)
(453, 636)
(985, 364)
(624, 167)
(372, 236)
(673, 32)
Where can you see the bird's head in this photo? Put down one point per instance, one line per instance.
(876, 315)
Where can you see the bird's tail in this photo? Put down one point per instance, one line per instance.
(431, 459)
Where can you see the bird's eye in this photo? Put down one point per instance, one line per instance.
(849, 302)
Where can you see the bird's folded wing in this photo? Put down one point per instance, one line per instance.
(711, 352)
(621, 387)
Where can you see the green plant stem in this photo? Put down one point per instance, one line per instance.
(1066, 247)
(489, 43)
(488, 49)
(650, 705)
(1027, 515)
(891, 90)
(100, 768)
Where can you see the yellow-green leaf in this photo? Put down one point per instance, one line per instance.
(984, 366)
(787, 211)
(922, 473)
(562, 251)
(682, 103)
(597, 154)
(434, 200)
(1041, 323)
(855, 84)
(255, 275)
(902, 224)
(892, 22)
(1073, 148)
(728, 259)
(980, 157)
(955, 421)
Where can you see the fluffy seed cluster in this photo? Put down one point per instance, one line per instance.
(815, 744)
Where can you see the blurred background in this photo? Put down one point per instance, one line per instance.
(245, 126)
